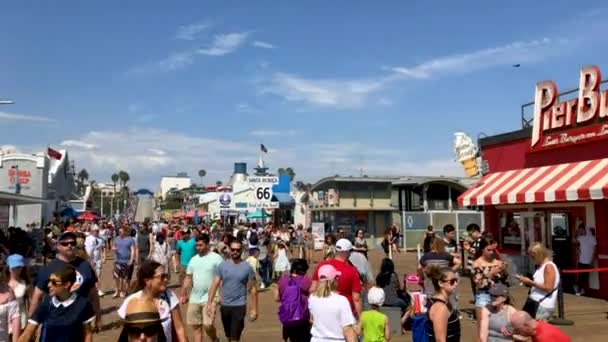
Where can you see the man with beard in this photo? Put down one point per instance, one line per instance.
(235, 277)
(200, 273)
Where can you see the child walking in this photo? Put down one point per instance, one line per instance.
(281, 260)
(64, 316)
(374, 324)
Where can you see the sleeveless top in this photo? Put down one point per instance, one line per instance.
(372, 323)
(497, 321)
(539, 278)
(453, 330)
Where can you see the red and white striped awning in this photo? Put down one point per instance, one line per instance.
(587, 180)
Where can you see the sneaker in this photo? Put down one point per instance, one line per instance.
(116, 294)
(100, 293)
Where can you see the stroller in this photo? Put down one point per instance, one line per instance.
(415, 317)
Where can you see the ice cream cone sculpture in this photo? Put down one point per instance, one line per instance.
(466, 153)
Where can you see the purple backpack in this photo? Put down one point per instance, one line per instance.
(294, 304)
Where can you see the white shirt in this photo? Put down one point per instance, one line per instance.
(93, 246)
(587, 247)
(539, 278)
(164, 310)
(329, 316)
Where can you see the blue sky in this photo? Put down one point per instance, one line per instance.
(329, 87)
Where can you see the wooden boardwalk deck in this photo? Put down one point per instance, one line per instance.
(588, 314)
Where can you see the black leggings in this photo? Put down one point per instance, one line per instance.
(233, 320)
(297, 332)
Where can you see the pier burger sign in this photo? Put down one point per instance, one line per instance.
(579, 120)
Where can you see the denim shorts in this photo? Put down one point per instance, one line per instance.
(482, 298)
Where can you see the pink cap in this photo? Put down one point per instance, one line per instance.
(328, 272)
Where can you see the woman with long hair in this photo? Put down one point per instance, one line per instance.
(487, 270)
(444, 322)
(142, 323)
(9, 308)
(438, 257)
(388, 280)
(292, 292)
(331, 315)
(495, 323)
(19, 281)
(360, 244)
(541, 301)
(152, 285)
(329, 247)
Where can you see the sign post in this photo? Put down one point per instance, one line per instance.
(262, 192)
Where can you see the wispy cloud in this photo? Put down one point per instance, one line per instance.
(263, 45)
(5, 116)
(78, 144)
(505, 55)
(273, 133)
(356, 92)
(324, 92)
(224, 44)
(190, 32)
(146, 158)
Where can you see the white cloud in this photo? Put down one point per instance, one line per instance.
(324, 92)
(262, 45)
(505, 55)
(272, 133)
(190, 32)
(357, 92)
(224, 44)
(78, 144)
(5, 116)
(147, 154)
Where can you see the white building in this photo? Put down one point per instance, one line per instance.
(181, 181)
(107, 189)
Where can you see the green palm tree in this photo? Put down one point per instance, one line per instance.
(82, 177)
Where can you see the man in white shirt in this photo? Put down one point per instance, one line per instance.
(586, 242)
(94, 246)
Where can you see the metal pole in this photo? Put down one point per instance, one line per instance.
(101, 193)
(560, 319)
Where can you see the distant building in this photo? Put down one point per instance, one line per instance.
(178, 182)
(107, 189)
(35, 176)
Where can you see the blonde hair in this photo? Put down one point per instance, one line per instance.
(539, 253)
(325, 288)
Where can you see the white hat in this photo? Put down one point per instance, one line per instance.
(344, 245)
(375, 296)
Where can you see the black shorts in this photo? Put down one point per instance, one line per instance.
(233, 320)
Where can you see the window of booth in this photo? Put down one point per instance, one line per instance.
(510, 232)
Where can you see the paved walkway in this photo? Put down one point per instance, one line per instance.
(589, 315)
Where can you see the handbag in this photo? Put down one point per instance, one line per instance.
(531, 305)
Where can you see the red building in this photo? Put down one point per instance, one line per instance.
(549, 177)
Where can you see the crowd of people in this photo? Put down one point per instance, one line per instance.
(221, 270)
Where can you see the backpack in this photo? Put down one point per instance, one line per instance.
(294, 306)
(419, 328)
(253, 239)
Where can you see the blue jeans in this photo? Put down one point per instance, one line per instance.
(266, 270)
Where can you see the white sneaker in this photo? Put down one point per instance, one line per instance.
(262, 286)
(100, 293)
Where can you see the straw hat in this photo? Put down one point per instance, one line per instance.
(141, 311)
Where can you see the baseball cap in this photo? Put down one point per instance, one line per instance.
(498, 289)
(67, 235)
(328, 272)
(375, 296)
(15, 260)
(344, 245)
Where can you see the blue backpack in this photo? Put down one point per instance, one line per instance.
(419, 328)
(294, 305)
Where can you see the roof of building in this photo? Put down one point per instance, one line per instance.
(17, 199)
(401, 180)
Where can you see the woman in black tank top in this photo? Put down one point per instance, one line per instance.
(443, 321)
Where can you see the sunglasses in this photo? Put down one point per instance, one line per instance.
(452, 281)
(235, 250)
(68, 243)
(148, 331)
(162, 276)
(55, 282)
